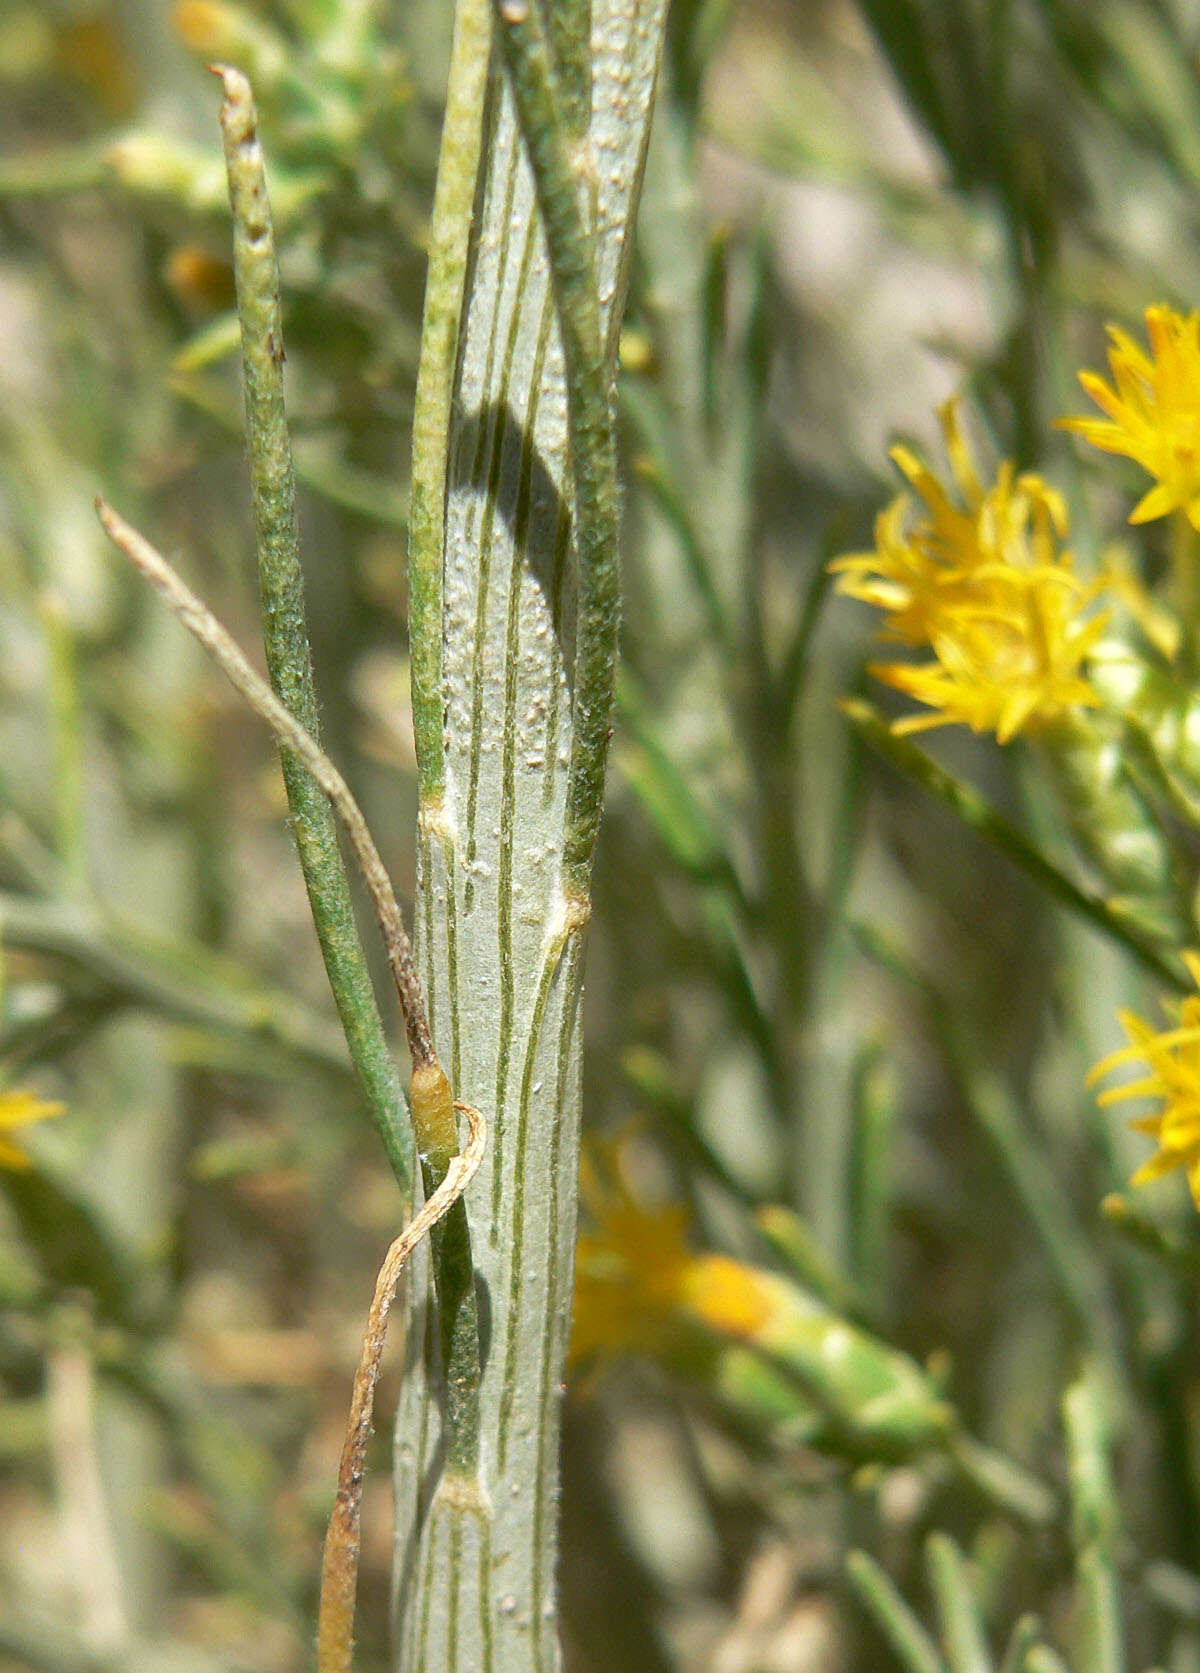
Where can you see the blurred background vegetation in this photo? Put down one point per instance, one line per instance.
(837, 1026)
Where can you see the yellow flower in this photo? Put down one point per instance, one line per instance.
(1153, 407)
(639, 1289)
(1172, 1057)
(206, 26)
(20, 1109)
(980, 577)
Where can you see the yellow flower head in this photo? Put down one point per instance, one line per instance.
(1172, 1057)
(639, 1289)
(20, 1109)
(204, 25)
(1153, 407)
(980, 577)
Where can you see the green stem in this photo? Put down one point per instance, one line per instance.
(285, 638)
(454, 196)
(544, 112)
(962, 1635)
(1025, 1635)
(68, 747)
(453, 204)
(969, 806)
(458, 1324)
(570, 38)
(1067, 1251)
(913, 1647)
(1095, 1525)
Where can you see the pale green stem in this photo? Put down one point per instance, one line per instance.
(1095, 1525)
(68, 746)
(1025, 1635)
(504, 864)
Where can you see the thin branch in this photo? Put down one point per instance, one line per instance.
(285, 634)
(876, 1591)
(449, 238)
(201, 622)
(972, 808)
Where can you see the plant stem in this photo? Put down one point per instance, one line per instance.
(974, 811)
(454, 199)
(285, 637)
(174, 979)
(544, 109)
(912, 1645)
(339, 1571)
(514, 703)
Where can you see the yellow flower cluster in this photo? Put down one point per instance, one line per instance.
(981, 578)
(1172, 1059)
(1153, 416)
(1153, 407)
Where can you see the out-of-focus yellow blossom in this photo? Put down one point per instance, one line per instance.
(204, 25)
(981, 578)
(639, 1289)
(752, 1338)
(1153, 408)
(235, 35)
(1172, 1057)
(21, 1109)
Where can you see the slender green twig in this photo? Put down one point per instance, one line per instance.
(1176, 1252)
(68, 746)
(571, 40)
(973, 810)
(285, 637)
(1025, 1635)
(561, 180)
(1050, 1212)
(48, 173)
(335, 480)
(1002, 1480)
(962, 1634)
(664, 488)
(914, 1648)
(1042, 1659)
(449, 238)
